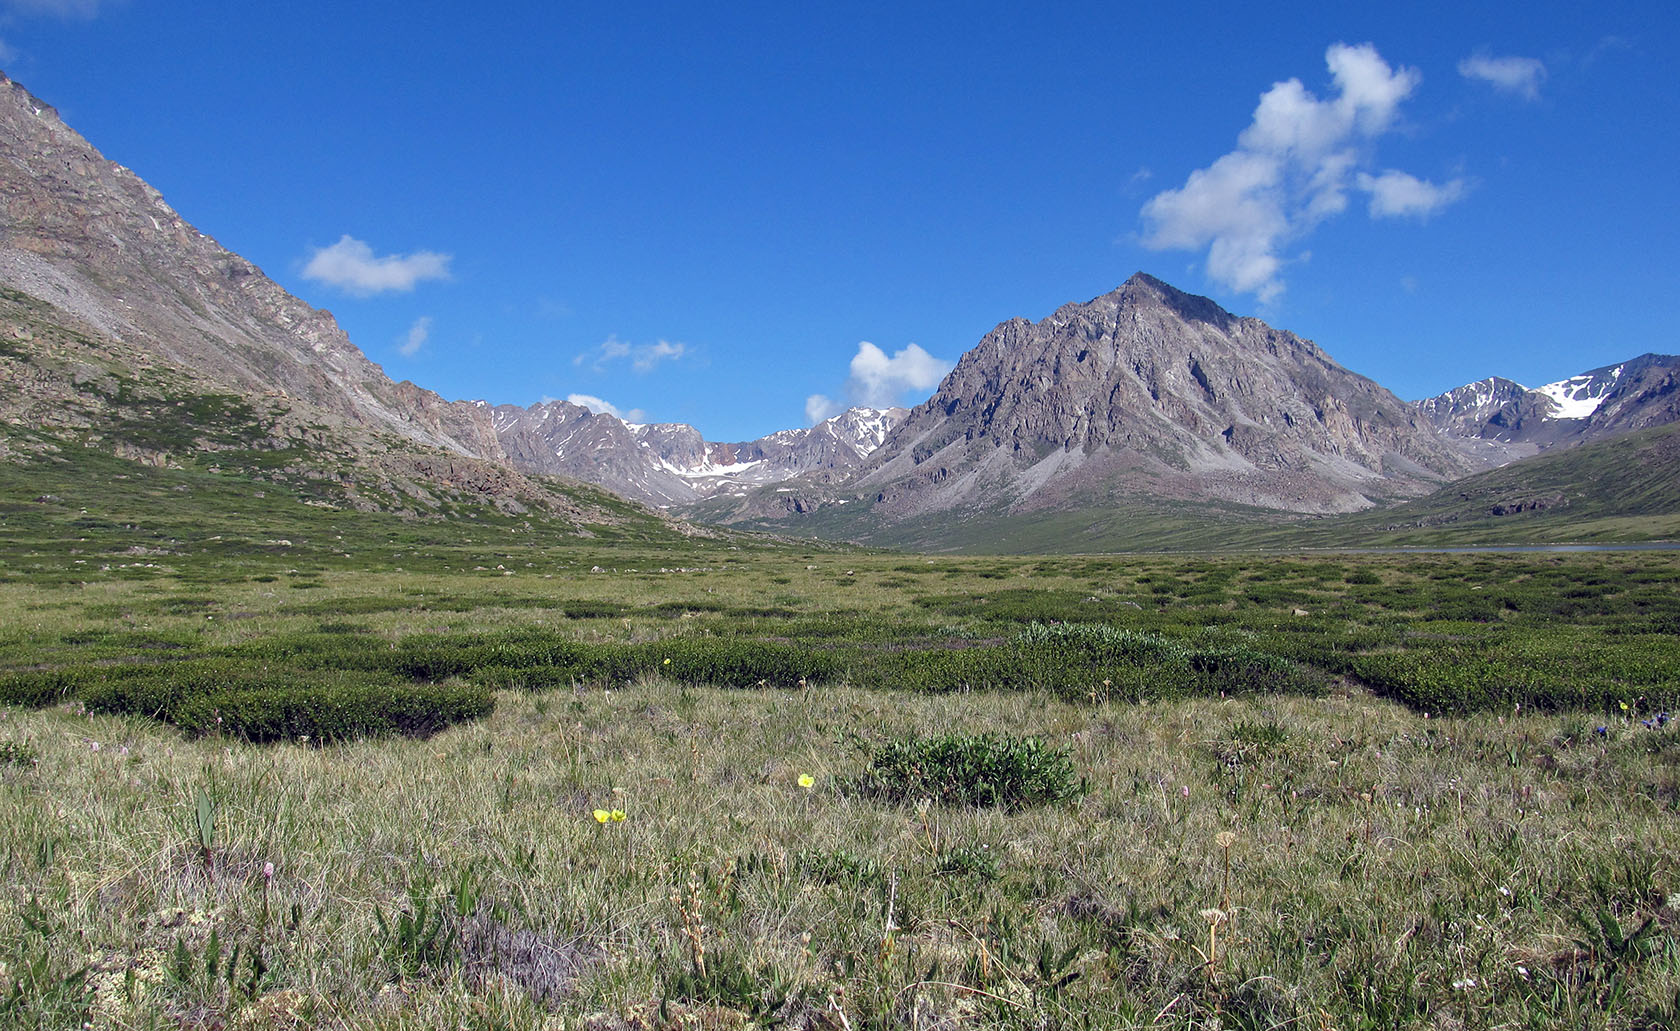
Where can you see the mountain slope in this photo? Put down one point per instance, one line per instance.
(1626, 487)
(126, 329)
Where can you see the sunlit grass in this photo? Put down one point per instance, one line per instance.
(1384, 867)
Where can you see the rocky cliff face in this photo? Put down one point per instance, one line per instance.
(89, 238)
(1148, 389)
(671, 463)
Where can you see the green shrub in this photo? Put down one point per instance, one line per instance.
(36, 688)
(1073, 660)
(333, 713)
(987, 770)
(739, 663)
(158, 691)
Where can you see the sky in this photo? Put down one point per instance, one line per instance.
(749, 217)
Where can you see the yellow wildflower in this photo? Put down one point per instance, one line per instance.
(806, 780)
(618, 815)
(602, 816)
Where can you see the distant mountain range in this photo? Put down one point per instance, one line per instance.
(1148, 395)
(124, 328)
(1507, 420)
(668, 464)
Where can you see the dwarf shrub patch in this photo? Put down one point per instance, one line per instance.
(35, 688)
(335, 713)
(986, 770)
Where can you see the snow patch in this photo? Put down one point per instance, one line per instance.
(1575, 397)
(708, 469)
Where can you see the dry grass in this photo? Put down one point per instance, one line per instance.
(1387, 870)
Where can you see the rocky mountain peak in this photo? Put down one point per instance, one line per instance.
(1169, 386)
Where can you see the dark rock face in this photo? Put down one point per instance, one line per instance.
(89, 238)
(1151, 389)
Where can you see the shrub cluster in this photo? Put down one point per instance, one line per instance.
(334, 713)
(36, 688)
(988, 770)
(537, 659)
(1074, 660)
(225, 696)
(1464, 680)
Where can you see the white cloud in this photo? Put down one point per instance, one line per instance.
(821, 407)
(351, 266)
(1291, 170)
(643, 358)
(600, 407)
(1395, 194)
(1519, 75)
(878, 381)
(416, 336)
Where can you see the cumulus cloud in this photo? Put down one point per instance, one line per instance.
(1519, 75)
(1395, 194)
(416, 336)
(351, 266)
(879, 381)
(643, 358)
(600, 407)
(1293, 167)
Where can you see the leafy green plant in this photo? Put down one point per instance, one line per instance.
(35, 688)
(977, 861)
(726, 980)
(204, 825)
(426, 936)
(988, 770)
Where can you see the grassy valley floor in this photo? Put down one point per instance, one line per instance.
(1350, 792)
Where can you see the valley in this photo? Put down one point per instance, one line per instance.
(1098, 690)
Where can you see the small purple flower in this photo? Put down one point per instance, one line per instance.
(1602, 731)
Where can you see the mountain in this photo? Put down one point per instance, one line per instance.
(124, 328)
(668, 464)
(1145, 393)
(126, 332)
(1503, 420)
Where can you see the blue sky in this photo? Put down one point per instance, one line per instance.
(739, 218)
